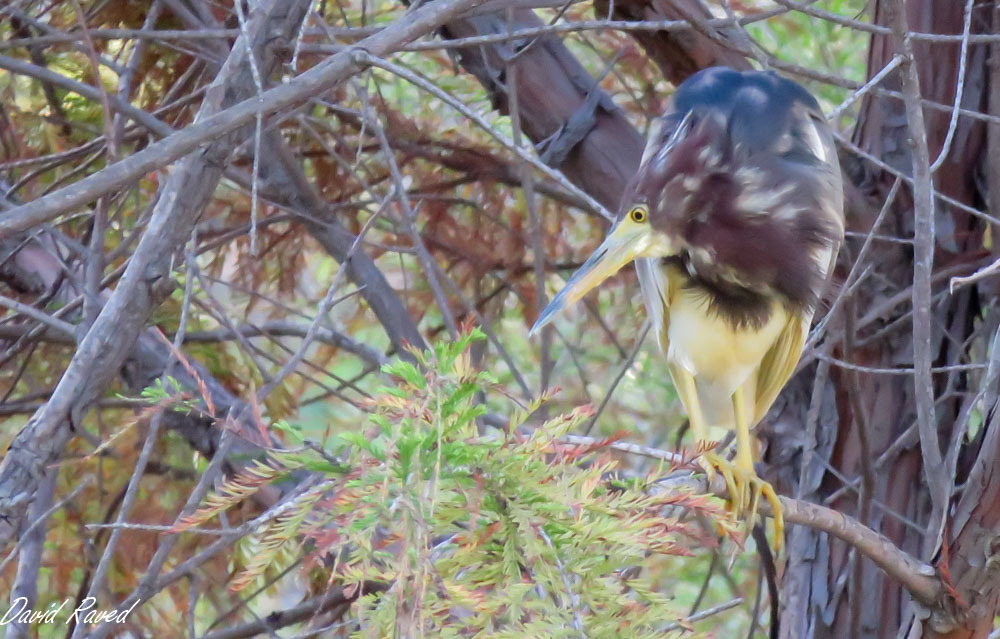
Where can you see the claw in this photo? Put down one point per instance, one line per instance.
(745, 487)
(745, 490)
(713, 463)
(708, 464)
(777, 514)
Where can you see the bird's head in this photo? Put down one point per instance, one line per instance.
(680, 180)
(739, 183)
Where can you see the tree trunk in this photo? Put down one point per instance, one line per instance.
(827, 592)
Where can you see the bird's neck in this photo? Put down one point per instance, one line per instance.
(740, 305)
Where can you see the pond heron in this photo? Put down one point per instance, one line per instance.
(733, 219)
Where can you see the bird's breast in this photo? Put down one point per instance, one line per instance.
(719, 354)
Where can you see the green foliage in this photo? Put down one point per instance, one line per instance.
(169, 393)
(448, 531)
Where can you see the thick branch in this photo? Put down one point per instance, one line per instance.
(917, 577)
(576, 125)
(678, 53)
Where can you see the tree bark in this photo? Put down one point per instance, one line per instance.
(900, 478)
(574, 123)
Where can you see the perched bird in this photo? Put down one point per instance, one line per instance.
(734, 220)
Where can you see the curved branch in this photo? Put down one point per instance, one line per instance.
(919, 578)
(916, 576)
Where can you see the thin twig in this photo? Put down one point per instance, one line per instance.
(625, 366)
(534, 217)
(923, 265)
(321, 312)
(409, 215)
(284, 96)
(258, 124)
(704, 614)
(842, 295)
(963, 57)
(460, 106)
(86, 482)
(44, 318)
(868, 86)
(574, 599)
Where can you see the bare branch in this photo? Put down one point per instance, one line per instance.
(29, 560)
(923, 264)
(282, 618)
(104, 348)
(226, 121)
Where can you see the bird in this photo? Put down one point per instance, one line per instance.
(733, 219)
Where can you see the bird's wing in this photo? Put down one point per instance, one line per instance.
(779, 362)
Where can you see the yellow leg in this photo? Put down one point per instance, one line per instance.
(689, 397)
(744, 486)
(744, 447)
(751, 487)
(709, 461)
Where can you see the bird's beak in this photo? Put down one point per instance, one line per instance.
(625, 242)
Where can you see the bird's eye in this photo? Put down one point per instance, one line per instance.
(638, 213)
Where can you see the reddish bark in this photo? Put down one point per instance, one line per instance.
(576, 125)
(589, 139)
(680, 53)
(959, 239)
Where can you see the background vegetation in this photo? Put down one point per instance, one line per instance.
(282, 422)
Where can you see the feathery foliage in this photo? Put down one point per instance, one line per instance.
(445, 530)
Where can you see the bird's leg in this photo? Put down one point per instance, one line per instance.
(749, 485)
(710, 461)
(744, 486)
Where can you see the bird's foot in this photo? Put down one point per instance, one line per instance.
(745, 490)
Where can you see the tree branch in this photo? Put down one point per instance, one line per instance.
(677, 53)
(280, 619)
(145, 282)
(938, 483)
(919, 578)
(224, 122)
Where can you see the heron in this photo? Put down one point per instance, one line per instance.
(733, 219)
